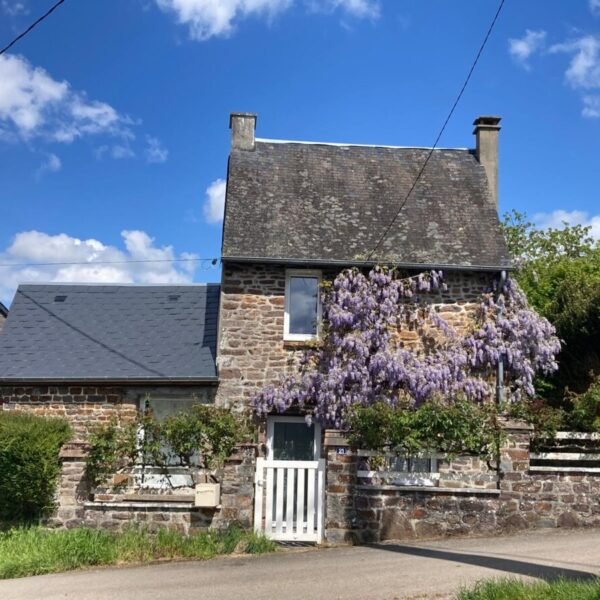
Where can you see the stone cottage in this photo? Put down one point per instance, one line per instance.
(295, 213)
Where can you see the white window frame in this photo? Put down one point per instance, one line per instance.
(271, 434)
(300, 337)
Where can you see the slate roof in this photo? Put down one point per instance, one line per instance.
(3, 310)
(313, 202)
(111, 332)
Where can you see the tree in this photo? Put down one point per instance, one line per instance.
(358, 363)
(559, 271)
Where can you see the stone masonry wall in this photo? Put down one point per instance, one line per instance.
(522, 499)
(77, 506)
(87, 406)
(84, 407)
(252, 352)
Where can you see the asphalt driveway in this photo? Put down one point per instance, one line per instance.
(384, 572)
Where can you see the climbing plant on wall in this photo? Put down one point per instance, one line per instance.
(358, 362)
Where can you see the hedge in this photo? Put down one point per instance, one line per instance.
(29, 465)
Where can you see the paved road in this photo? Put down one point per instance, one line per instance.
(386, 572)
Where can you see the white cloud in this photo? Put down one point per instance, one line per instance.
(14, 9)
(155, 151)
(52, 164)
(116, 151)
(361, 9)
(595, 6)
(34, 105)
(214, 206)
(521, 49)
(591, 107)
(218, 18)
(584, 69)
(558, 218)
(39, 247)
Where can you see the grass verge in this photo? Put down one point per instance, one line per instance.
(512, 589)
(34, 550)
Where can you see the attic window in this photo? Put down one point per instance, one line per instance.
(302, 305)
(174, 297)
(59, 298)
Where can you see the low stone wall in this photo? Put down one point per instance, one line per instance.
(77, 506)
(521, 499)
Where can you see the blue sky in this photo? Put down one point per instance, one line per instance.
(114, 114)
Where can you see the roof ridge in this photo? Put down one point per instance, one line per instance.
(348, 145)
(115, 285)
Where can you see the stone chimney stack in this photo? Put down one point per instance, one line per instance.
(486, 150)
(242, 127)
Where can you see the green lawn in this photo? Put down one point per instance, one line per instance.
(34, 550)
(509, 589)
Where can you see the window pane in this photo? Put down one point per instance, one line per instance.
(304, 297)
(293, 441)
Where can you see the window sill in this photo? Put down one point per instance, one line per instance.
(301, 344)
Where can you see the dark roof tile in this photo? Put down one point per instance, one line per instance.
(110, 332)
(324, 202)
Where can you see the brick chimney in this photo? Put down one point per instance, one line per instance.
(242, 127)
(486, 150)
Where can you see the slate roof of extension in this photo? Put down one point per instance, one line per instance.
(111, 332)
(302, 202)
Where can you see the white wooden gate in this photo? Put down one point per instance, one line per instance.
(289, 499)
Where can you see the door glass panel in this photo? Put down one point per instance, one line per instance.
(293, 441)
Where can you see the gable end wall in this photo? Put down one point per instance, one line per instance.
(252, 352)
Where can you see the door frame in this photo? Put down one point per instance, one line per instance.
(271, 420)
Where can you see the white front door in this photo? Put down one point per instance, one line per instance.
(289, 497)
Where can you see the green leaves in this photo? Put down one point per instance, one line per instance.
(559, 271)
(29, 464)
(203, 435)
(206, 430)
(460, 427)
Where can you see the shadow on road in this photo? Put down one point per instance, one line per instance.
(516, 567)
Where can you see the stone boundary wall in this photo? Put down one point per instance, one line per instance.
(77, 506)
(522, 499)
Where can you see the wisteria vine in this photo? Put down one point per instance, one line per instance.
(358, 361)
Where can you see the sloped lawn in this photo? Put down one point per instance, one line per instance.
(34, 550)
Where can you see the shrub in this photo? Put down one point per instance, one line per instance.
(210, 431)
(459, 427)
(29, 464)
(203, 435)
(585, 414)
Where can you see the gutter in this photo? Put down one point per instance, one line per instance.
(110, 380)
(359, 263)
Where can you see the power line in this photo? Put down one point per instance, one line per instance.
(213, 262)
(458, 98)
(34, 24)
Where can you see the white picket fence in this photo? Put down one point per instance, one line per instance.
(289, 499)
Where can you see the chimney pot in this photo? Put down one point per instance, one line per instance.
(486, 150)
(243, 126)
